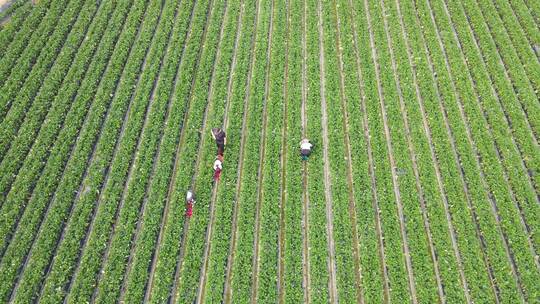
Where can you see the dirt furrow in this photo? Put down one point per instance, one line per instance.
(392, 161)
(262, 149)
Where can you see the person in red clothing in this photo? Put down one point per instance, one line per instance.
(190, 201)
(218, 166)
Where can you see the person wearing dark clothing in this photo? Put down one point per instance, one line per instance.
(220, 138)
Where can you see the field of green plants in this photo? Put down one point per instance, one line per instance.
(423, 185)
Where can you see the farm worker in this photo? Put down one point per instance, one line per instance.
(218, 167)
(305, 148)
(221, 139)
(190, 201)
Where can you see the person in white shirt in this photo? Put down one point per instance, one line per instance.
(190, 201)
(218, 166)
(305, 148)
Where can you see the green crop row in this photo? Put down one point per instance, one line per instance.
(242, 265)
(38, 18)
(513, 43)
(105, 166)
(193, 266)
(230, 181)
(437, 212)
(19, 12)
(293, 199)
(526, 21)
(343, 196)
(318, 258)
(70, 63)
(62, 202)
(510, 226)
(42, 83)
(492, 174)
(375, 76)
(270, 179)
(354, 92)
(85, 279)
(183, 118)
(465, 156)
(519, 122)
(15, 201)
(20, 84)
(209, 60)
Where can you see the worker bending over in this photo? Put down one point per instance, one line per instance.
(221, 139)
(218, 167)
(305, 148)
(190, 201)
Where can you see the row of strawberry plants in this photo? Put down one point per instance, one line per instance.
(318, 259)
(513, 42)
(242, 276)
(534, 8)
(190, 265)
(526, 21)
(519, 124)
(67, 63)
(85, 279)
(292, 203)
(37, 18)
(183, 117)
(69, 175)
(419, 146)
(226, 193)
(30, 219)
(342, 193)
(12, 9)
(436, 133)
(354, 92)
(394, 242)
(193, 267)
(45, 186)
(522, 120)
(523, 124)
(492, 178)
(107, 167)
(428, 42)
(21, 83)
(29, 92)
(516, 178)
(394, 91)
(217, 83)
(18, 17)
(269, 219)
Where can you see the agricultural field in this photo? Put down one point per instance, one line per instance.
(423, 185)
